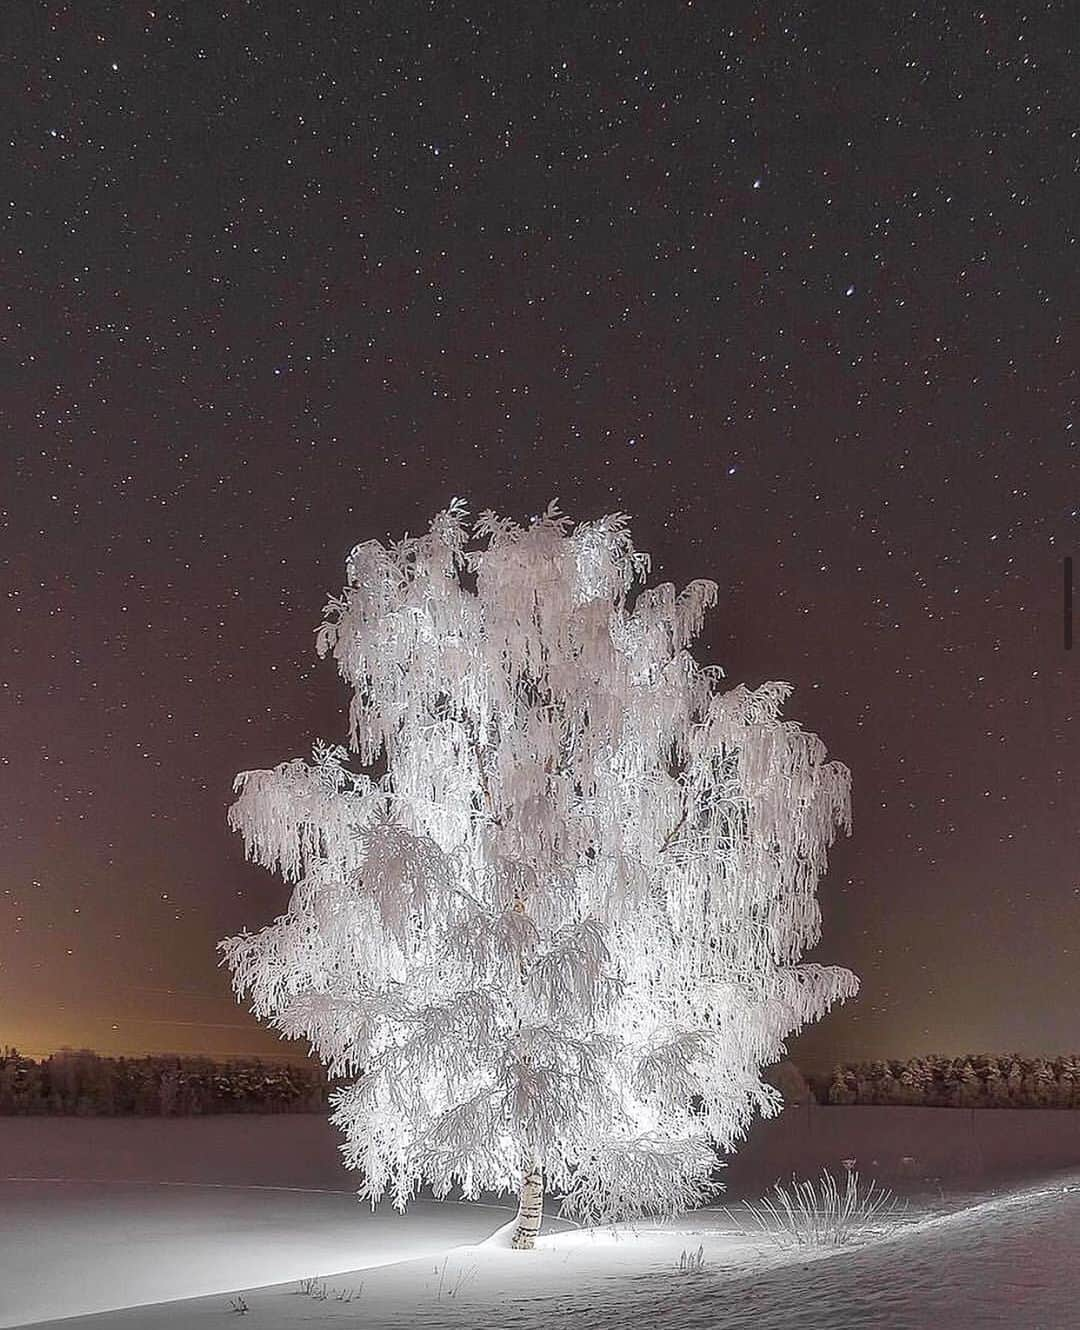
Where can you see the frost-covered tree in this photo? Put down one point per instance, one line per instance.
(548, 921)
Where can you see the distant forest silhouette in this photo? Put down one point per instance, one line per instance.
(83, 1083)
(974, 1080)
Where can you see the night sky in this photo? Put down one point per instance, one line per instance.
(788, 284)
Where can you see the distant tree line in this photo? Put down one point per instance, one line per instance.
(975, 1080)
(83, 1083)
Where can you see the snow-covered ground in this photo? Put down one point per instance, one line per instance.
(173, 1255)
(68, 1248)
(1007, 1260)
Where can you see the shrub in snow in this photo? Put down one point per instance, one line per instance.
(826, 1214)
(458, 1280)
(551, 925)
(692, 1262)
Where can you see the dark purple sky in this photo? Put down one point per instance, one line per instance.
(789, 284)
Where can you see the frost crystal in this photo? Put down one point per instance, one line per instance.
(555, 927)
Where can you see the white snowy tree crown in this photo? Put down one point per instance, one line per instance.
(558, 917)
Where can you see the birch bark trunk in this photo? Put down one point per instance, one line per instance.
(530, 1209)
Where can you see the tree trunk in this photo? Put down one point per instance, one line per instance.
(530, 1209)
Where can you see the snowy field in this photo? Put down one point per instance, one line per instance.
(68, 1248)
(174, 1254)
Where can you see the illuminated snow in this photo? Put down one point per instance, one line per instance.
(1008, 1261)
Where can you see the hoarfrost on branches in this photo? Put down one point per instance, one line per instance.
(554, 926)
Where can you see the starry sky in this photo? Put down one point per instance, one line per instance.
(789, 284)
